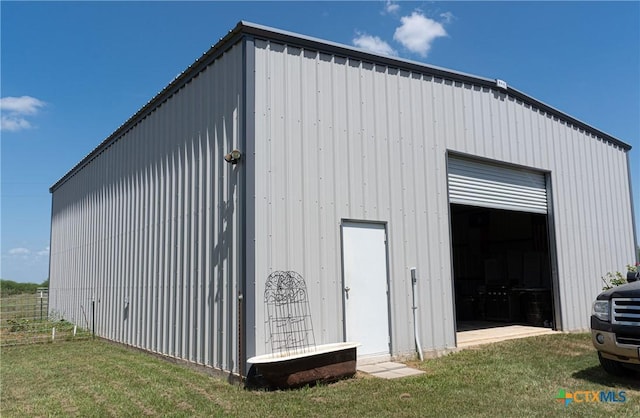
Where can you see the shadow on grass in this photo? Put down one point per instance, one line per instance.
(597, 375)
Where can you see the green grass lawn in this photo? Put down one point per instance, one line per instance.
(509, 379)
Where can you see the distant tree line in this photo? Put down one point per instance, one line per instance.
(9, 287)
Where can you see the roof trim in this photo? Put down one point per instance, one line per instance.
(233, 37)
(419, 67)
(244, 28)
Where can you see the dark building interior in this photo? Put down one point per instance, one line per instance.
(502, 272)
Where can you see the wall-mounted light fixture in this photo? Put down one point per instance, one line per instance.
(233, 157)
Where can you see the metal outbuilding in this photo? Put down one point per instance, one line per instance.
(353, 168)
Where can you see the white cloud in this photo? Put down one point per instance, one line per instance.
(373, 44)
(391, 7)
(25, 265)
(19, 251)
(25, 105)
(417, 32)
(447, 17)
(13, 123)
(15, 109)
(26, 254)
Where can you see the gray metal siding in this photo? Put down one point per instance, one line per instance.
(148, 228)
(339, 138)
(335, 144)
(153, 215)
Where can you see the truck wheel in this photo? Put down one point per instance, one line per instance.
(613, 367)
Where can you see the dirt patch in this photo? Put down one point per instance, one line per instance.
(226, 405)
(184, 406)
(575, 349)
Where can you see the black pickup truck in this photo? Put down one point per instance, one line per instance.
(615, 327)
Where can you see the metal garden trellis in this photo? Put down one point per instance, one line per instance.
(288, 313)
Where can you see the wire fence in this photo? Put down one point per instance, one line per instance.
(25, 319)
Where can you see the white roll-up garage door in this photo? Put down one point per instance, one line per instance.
(491, 185)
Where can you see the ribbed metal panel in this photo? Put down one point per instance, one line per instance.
(496, 186)
(335, 142)
(338, 138)
(148, 228)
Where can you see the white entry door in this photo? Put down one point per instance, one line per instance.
(364, 254)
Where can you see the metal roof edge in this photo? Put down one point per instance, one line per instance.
(401, 63)
(353, 52)
(244, 28)
(565, 116)
(230, 39)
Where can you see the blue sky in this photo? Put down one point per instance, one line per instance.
(71, 73)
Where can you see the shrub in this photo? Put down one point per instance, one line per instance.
(9, 287)
(613, 279)
(18, 324)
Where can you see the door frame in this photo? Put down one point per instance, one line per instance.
(384, 224)
(551, 237)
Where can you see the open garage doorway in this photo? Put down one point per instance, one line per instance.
(502, 268)
(500, 241)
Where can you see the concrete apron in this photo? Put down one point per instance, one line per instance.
(477, 337)
(389, 370)
(383, 368)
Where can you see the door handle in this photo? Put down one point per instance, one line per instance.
(346, 291)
